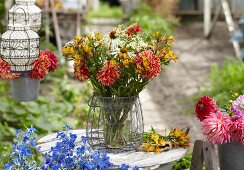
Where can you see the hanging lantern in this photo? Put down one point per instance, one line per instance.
(20, 48)
(25, 12)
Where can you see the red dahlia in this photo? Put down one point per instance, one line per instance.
(204, 107)
(109, 73)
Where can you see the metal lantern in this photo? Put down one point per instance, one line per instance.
(25, 12)
(20, 47)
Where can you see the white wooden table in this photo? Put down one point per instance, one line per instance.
(162, 161)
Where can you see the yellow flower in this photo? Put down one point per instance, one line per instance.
(155, 138)
(148, 147)
(156, 35)
(161, 142)
(78, 40)
(157, 150)
(77, 59)
(126, 63)
(170, 39)
(89, 36)
(68, 50)
(164, 37)
(98, 36)
(85, 48)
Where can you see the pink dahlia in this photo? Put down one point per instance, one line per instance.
(5, 73)
(237, 129)
(204, 107)
(40, 67)
(148, 65)
(217, 128)
(82, 73)
(133, 29)
(53, 59)
(109, 73)
(238, 106)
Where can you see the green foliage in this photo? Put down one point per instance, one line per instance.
(48, 113)
(2, 15)
(106, 11)
(183, 164)
(224, 81)
(150, 20)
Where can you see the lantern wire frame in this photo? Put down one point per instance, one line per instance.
(110, 116)
(20, 46)
(30, 15)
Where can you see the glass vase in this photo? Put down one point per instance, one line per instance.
(115, 123)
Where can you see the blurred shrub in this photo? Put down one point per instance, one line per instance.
(183, 164)
(224, 81)
(150, 20)
(106, 11)
(61, 105)
(2, 16)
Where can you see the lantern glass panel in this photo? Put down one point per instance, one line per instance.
(20, 48)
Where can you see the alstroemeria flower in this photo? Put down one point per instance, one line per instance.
(133, 29)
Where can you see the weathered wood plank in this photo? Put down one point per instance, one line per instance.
(197, 156)
(210, 156)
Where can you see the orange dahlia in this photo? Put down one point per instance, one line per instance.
(109, 73)
(40, 67)
(53, 59)
(147, 64)
(133, 29)
(5, 73)
(82, 73)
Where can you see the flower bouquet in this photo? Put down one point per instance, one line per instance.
(25, 86)
(225, 128)
(119, 65)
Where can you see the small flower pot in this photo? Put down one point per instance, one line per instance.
(25, 89)
(231, 156)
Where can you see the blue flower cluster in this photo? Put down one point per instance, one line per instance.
(23, 149)
(65, 155)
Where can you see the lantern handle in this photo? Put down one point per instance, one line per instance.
(26, 22)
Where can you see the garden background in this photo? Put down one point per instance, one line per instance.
(205, 67)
